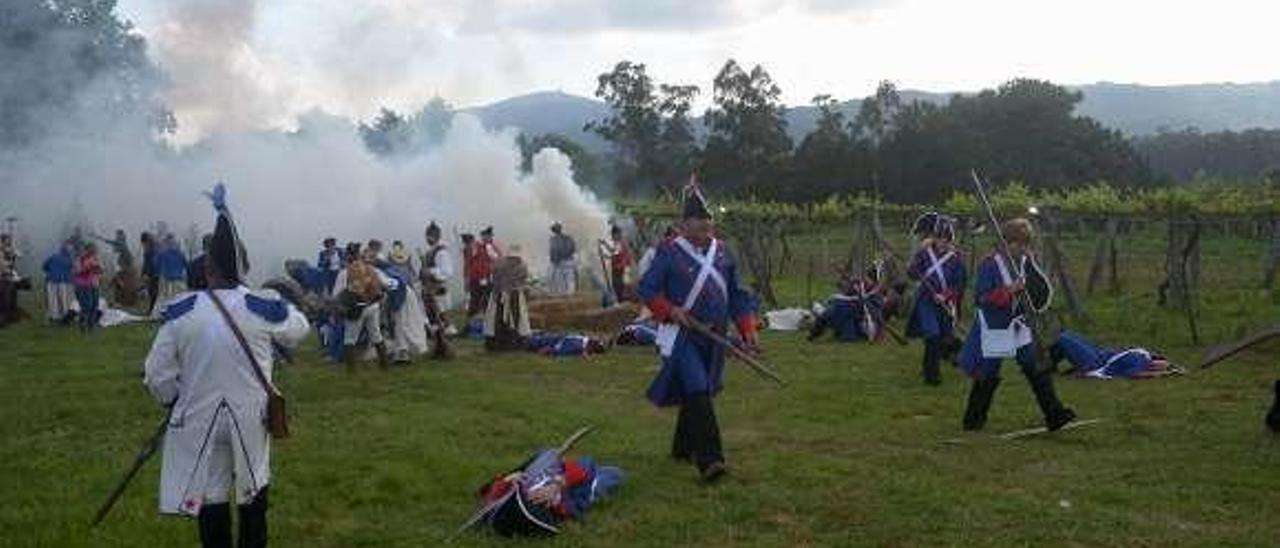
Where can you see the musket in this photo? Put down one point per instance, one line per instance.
(144, 454)
(489, 508)
(893, 333)
(1220, 353)
(1033, 318)
(604, 266)
(746, 357)
(950, 308)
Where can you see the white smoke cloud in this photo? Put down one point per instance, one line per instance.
(288, 189)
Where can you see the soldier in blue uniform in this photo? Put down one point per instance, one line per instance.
(330, 262)
(639, 333)
(1000, 331)
(939, 268)
(1090, 360)
(565, 345)
(854, 314)
(694, 277)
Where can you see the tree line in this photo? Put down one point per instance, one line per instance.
(917, 151)
(1188, 154)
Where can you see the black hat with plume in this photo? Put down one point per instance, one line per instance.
(695, 204)
(226, 250)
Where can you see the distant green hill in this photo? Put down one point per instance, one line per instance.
(1133, 109)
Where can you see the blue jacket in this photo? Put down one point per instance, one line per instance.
(844, 315)
(927, 319)
(692, 363)
(171, 264)
(57, 268)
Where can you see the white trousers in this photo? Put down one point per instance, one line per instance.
(370, 320)
(60, 299)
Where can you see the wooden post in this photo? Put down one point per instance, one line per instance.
(1190, 278)
(808, 284)
(1171, 268)
(1058, 266)
(1105, 243)
(1272, 263)
(1114, 278)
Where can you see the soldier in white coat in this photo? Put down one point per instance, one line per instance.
(217, 446)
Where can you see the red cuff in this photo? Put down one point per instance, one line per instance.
(574, 473)
(999, 297)
(660, 307)
(748, 325)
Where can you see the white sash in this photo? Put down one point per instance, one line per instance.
(707, 269)
(936, 265)
(1101, 371)
(668, 331)
(1004, 269)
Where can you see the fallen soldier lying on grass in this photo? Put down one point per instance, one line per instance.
(641, 333)
(1090, 360)
(561, 345)
(536, 497)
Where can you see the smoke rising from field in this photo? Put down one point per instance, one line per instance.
(289, 189)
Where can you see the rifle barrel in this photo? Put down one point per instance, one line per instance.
(755, 364)
(143, 455)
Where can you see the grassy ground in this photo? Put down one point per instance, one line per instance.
(850, 454)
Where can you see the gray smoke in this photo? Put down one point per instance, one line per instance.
(288, 188)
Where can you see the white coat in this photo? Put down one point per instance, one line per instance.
(197, 363)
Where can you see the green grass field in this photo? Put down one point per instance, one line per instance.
(851, 453)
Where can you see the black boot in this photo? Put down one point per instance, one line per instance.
(680, 449)
(819, 327)
(1055, 414)
(932, 354)
(215, 525)
(980, 396)
(253, 522)
(704, 438)
(383, 361)
(1273, 416)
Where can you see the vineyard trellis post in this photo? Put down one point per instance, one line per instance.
(1104, 258)
(755, 244)
(1178, 288)
(1057, 264)
(1273, 257)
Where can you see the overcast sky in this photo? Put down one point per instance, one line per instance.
(351, 56)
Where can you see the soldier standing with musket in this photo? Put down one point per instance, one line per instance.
(693, 280)
(939, 268)
(1011, 288)
(437, 268)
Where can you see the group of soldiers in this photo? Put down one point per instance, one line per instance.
(395, 301)
(224, 340)
(1010, 287)
(75, 277)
